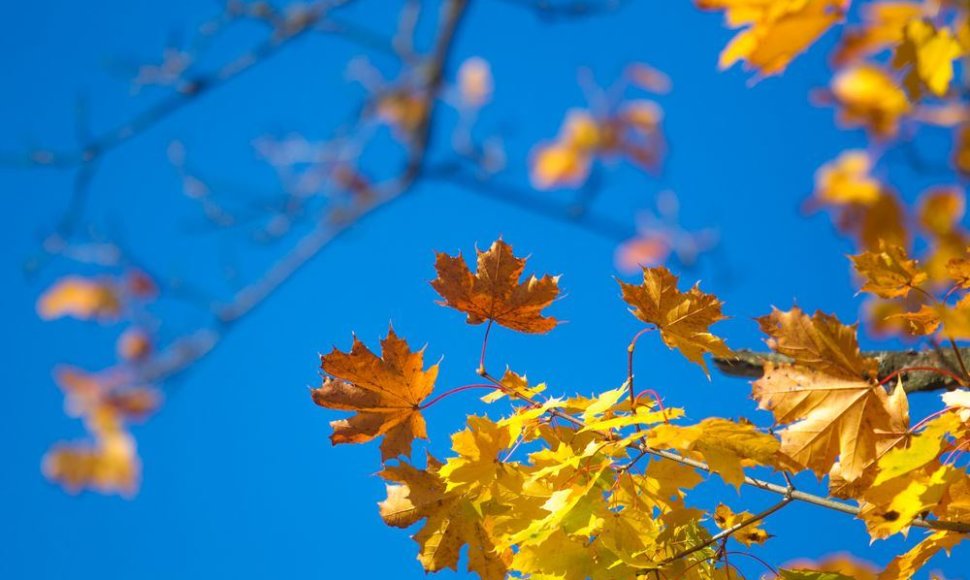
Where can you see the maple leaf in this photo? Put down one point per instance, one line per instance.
(911, 480)
(958, 269)
(905, 566)
(556, 165)
(725, 445)
(778, 31)
(478, 447)
(386, 392)
(819, 342)
(847, 180)
(841, 565)
(889, 273)
(868, 96)
(831, 417)
(452, 521)
(952, 321)
(108, 461)
(110, 464)
(928, 54)
(725, 518)
(683, 318)
(494, 291)
(941, 209)
(882, 27)
(81, 298)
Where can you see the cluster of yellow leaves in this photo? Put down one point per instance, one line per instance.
(596, 487)
(902, 286)
(629, 129)
(908, 305)
(107, 461)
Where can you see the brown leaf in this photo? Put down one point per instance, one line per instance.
(889, 273)
(386, 392)
(829, 417)
(683, 318)
(819, 342)
(494, 291)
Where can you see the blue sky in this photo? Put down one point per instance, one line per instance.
(239, 478)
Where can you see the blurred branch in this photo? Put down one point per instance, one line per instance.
(526, 199)
(550, 10)
(183, 352)
(751, 364)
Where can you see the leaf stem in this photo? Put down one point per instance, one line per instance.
(450, 392)
(481, 359)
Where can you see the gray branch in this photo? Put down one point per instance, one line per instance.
(747, 363)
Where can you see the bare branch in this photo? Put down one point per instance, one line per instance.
(751, 364)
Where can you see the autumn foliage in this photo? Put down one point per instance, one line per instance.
(554, 485)
(573, 487)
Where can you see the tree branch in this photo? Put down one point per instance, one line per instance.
(751, 364)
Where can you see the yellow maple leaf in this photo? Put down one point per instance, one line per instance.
(889, 273)
(904, 567)
(958, 269)
(494, 291)
(927, 52)
(829, 417)
(452, 521)
(683, 318)
(777, 31)
(819, 342)
(478, 447)
(881, 28)
(385, 392)
(847, 180)
(839, 563)
(725, 518)
(868, 96)
(516, 385)
(556, 165)
(941, 209)
(725, 445)
(80, 297)
(110, 464)
(952, 321)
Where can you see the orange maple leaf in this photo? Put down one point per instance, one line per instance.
(683, 318)
(494, 291)
(830, 417)
(889, 273)
(819, 342)
(386, 392)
